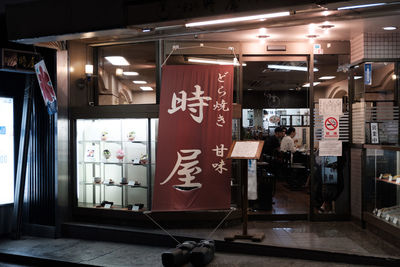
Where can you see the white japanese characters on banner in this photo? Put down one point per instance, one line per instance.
(195, 133)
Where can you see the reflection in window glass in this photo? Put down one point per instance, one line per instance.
(127, 74)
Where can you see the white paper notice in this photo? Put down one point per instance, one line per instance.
(245, 149)
(330, 106)
(330, 148)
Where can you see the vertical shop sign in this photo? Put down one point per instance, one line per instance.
(46, 87)
(374, 133)
(367, 73)
(195, 133)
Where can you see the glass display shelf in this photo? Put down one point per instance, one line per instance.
(113, 149)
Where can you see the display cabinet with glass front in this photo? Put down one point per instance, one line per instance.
(382, 192)
(115, 162)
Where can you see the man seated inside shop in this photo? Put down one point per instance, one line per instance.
(272, 146)
(288, 144)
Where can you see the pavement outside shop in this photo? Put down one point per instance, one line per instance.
(75, 252)
(287, 243)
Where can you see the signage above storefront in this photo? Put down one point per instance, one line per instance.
(17, 61)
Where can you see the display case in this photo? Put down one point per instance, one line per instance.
(115, 161)
(382, 183)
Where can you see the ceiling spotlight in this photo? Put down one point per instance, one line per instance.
(146, 88)
(357, 77)
(291, 89)
(139, 82)
(390, 28)
(326, 26)
(394, 77)
(311, 37)
(325, 13)
(327, 77)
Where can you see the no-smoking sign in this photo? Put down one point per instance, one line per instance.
(331, 127)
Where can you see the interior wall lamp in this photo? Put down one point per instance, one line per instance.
(89, 70)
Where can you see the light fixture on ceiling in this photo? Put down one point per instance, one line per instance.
(146, 88)
(89, 69)
(361, 6)
(390, 28)
(326, 27)
(214, 61)
(357, 77)
(394, 77)
(285, 67)
(130, 73)
(325, 13)
(117, 61)
(237, 19)
(308, 84)
(119, 71)
(312, 37)
(327, 77)
(139, 82)
(250, 89)
(291, 89)
(262, 36)
(147, 29)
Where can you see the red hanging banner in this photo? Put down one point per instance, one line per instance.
(195, 133)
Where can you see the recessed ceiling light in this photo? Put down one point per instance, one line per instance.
(390, 28)
(327, 77)
(308, 84)
(146, 88)
(130, 73)
(291, 89)
(117, 61)
(325, 13)
(250, 89)
(139, 82)
(361, 6)
(357, 77)
(285, 67)
(237, 19)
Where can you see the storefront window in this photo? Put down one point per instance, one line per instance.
(127, 74)
(115, 162)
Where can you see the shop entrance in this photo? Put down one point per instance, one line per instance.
(276, 109)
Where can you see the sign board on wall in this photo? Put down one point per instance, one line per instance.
(6, 150)
(330, 148)
(367, 73)
(330, 106)
(331, 127)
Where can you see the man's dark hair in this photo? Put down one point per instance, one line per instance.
(278, 130)
(290, 130)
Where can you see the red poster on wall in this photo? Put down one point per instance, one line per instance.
(195, 133)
